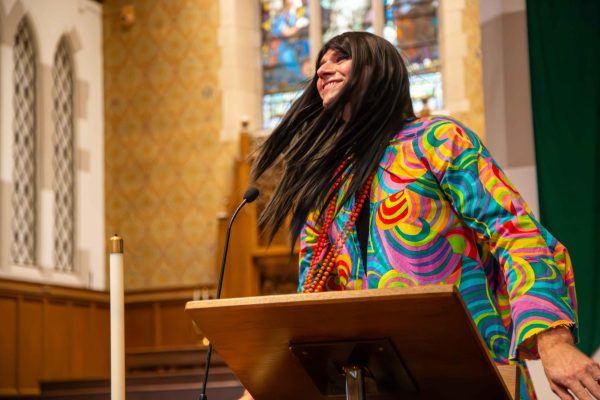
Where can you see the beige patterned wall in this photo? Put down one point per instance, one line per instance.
(167, 172)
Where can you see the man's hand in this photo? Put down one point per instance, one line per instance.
(566, 367)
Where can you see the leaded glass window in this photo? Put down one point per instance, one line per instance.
(339, 16)
(412, 25)
(62, 100)
(22, 249)
(285, 55)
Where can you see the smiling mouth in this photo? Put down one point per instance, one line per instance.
(328, 84)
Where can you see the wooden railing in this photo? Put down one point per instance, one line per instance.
(54, 333)
(155, 318)
(51, 333)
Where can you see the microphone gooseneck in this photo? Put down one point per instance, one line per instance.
(249, 196)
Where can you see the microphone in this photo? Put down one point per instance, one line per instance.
(249, 196)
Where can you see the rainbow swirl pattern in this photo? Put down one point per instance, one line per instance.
(442, 211)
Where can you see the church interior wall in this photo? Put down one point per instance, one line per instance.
(158, 106)
(507, 93)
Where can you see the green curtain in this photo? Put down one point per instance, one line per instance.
(564, 57)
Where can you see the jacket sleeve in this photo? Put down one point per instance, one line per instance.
(536, 267)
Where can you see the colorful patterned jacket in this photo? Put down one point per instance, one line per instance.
(442, 211)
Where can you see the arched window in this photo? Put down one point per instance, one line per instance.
(22, 249)
(62, 101)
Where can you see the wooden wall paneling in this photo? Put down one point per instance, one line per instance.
(139, 325)
(155, 318)
(8, 346)
(57, 341)
(81, 345)
(30, 350)
(59, 333)
(100, 367)
(241, 278)
(177, 325)
(93, 357)
(250, 253)
(51, 332)
(157, 324)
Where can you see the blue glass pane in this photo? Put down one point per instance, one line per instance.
(285, 45)
(275, 105)
(340, 16)
(412, 25)
(426, 87)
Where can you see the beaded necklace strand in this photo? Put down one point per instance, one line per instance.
(318, 273)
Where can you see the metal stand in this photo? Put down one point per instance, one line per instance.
(355, 383)
(356, 369)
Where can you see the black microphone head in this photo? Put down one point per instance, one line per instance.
(251, 194)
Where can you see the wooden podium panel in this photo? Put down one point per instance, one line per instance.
(429, 326)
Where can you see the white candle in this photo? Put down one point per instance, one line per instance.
(117, 320)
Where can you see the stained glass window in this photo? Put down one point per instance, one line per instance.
(339, 16)
(285, 55)
(412, 25)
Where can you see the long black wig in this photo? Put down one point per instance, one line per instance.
(314, 140)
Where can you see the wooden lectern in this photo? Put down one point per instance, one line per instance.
(408, 343)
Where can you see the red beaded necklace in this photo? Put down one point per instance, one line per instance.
(318, 273)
